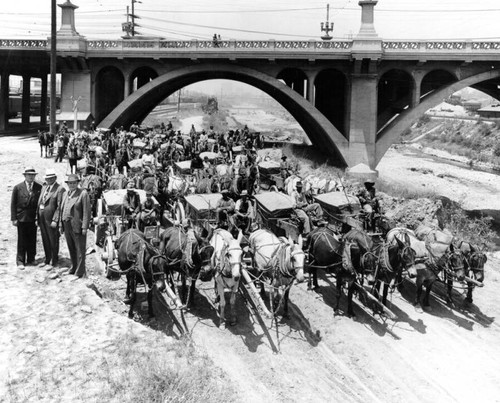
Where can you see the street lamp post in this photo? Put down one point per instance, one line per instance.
(327, 26)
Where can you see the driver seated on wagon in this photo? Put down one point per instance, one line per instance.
(243, 213)
(148, 214)
(369, 204)
(225, 208)
(307, 213)
(131, 206)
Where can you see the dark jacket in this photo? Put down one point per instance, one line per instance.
(79, 209)
(52, 204)
(23, 205)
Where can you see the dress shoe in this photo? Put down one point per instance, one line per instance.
(20, 266)
(48, 267)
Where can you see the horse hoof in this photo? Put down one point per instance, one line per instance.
(351, 314)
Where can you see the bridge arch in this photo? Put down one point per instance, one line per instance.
(294, 78)
(330, 96)
(318, 128)
(390, 134)
(109, 85)
(394, 94)
(141, 76)
(436, 79)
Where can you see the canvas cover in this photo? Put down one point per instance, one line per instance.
(274, 204)
(211, 156)
(202, 206)
(134, 164)
(183, 167)
(269, 167)
(338, 203)
(113, 200)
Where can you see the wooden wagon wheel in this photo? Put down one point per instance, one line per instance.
(179, 213)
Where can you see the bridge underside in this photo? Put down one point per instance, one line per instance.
(318, 128)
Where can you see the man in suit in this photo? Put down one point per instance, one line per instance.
(75, 216)
(48, 217)
(23, 205)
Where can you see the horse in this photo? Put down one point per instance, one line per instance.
(325, 252)
(189, 256)
(278, 260)
(226, 263)
(44, 141)
(142, 263)
(393, 257)
(474, 261)
(360, 258)
(444, 263)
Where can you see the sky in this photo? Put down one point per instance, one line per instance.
(260, 19)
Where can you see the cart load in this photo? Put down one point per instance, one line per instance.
(113, 200)
(135, 164)
(436, 241)
(340, 207)
(272, 205)
(183, 167)
(202, 206)
(269, 168)
(138, 143)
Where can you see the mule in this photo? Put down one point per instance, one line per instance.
(474, 261)
(226, 263)
(189, 256)
(280, 262)
(142, 263)
(393, 257)
(358, 257)
(325, 252)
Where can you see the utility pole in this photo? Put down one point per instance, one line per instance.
(129, 26)
(53, 67)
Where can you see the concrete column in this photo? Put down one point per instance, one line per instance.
(127, 85)
(416, 92)
(363, 120)
(4, 101)
(43, 102)
(310, 96)
(76, 85)
(26, 101)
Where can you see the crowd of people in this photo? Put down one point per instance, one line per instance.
(107, 153)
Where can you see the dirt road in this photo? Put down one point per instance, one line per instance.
(447, 354)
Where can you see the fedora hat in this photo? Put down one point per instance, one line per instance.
(30, 171)
(72, 178)
(369, 182)
(50, 173)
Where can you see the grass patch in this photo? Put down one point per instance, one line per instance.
(403, 192)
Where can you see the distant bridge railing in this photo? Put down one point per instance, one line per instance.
(482, 49)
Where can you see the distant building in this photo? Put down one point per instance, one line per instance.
(472, 106)
(455, 99)
(490, 112)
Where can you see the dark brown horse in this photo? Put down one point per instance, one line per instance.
(358, 257)
(393, 257)
(188, 255)
(474, 261)
(141, 263)
(325, 253)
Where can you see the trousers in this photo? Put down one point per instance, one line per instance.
(77, 246)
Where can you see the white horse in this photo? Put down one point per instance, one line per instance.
(226, 262)
(278, 260)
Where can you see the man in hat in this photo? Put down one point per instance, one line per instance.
(284, 167)
(24, 200)
(75, 214)
(60, 149)
(225, 207)
(48, 217)
(131, 205)
(369, 203)
(243, 212)
(305, 210)
(197, 165)
(148, 214)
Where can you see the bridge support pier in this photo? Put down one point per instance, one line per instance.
(75, 85)
(363, 120)
(4, 101)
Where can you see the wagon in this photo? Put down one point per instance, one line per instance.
(110, 224)
(340, 208)
(270, 172)
(200, 208)
(274, 210)
(183, 167)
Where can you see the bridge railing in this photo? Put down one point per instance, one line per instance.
(195, 45)
(23, 44)
(439, 46)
